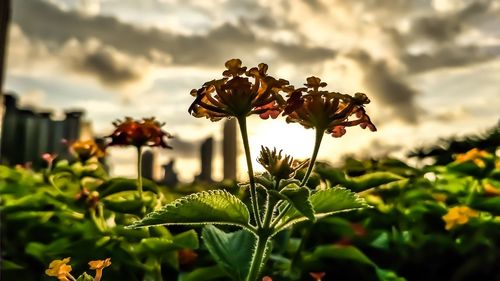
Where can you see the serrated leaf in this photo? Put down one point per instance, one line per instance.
(231, 251)
(207, 207)
(298, 196)
(326, 202)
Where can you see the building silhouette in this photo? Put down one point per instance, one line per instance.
(229, 149)
(169, 175)
(4, 24)
(147, 164)
(27, 134)
(206, 156)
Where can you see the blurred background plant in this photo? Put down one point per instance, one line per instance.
(403, 236)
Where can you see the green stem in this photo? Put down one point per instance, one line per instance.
(253, 190)
(280, 215)
(257, 258)
(139, 171)
(312, 161)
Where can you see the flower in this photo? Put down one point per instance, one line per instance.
(279, 166)
(86, 149)
(323, 110)
(98, 266)
(475, 155)
(145, 132)
(236, 95)
(60, 269)
(187, 256)
(491, 190)
(318, 276)
(458, 215)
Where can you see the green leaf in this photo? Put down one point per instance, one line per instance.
(231, 251)
(207, 207)
(85, 277)
(298, 196)
(203, 274)
(489, 204)
(326, 202)
(8, 265)
(161, 245)
(339, 252)
(122, 184)
(349, 253)
(360, 183)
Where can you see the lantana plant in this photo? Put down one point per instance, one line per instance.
(139, 133)
(278, 198)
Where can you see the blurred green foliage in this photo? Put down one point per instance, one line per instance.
(75, 210)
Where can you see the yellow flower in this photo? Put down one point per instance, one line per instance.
(458, 215)
(475, 155)
(86, 149)
(60, 269)
(490, 189)
(98, 266)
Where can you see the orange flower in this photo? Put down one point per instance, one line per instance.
(60, 269)
(458, 215)
(86, 149)
(145, 132)
(475, 155)
(328, 111)
(98, 266)
(238, 96)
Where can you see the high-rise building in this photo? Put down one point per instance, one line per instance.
(169, 175)
(206, 155)
(4, 25)
(148, 158)
(26, 134)
(9, 130)
(229, 149)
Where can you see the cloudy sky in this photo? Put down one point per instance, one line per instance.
(431, 68)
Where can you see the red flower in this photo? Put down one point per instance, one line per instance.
(239, 96)
(328, 111)
(145, 132)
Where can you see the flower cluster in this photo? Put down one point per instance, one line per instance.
(61, 269)
(86, 149)
(458, 215)
(474, 155)
(327, 111)
(236, 95)
(279, 166)
(138, 133)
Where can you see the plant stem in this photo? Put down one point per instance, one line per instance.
(253, 190)
(139, 171)
(317, 143)
(257, 258)
(280, 215)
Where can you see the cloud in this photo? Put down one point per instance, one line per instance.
(110, 66)
(387, 86)
(44, 21)
(89, 58)
(449, 56)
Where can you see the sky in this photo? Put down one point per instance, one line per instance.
(430, 67)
